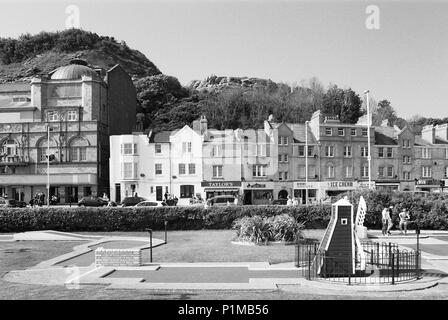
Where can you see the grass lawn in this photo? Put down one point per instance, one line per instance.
(183, 246)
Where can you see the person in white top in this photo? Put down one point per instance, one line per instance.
(289, 202)
(386, 220)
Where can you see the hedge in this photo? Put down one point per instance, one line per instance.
(429, 212)
(137, 219)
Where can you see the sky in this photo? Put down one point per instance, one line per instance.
(403, 58)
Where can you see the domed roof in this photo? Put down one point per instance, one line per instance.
(73, 72)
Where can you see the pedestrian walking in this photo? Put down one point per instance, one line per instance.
(404, 219)
(386, 221)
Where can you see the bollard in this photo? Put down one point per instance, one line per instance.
(166, 238)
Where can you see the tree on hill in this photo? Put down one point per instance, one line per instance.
(346, 104)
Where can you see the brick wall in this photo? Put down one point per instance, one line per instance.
(118, 257)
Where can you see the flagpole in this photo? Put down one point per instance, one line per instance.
(369, 158)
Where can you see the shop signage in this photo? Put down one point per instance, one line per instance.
(304, 185)
(221, 184)
(340, 185)
(256, 185)
(428, 182)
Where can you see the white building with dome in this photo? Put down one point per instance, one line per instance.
(83, 106)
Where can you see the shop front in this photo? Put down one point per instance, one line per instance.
(331, 189)
(258, 192)
(428, 185)
(388, 186)
(300, 188)
(218, 188)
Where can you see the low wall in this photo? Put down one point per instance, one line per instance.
(118, 257)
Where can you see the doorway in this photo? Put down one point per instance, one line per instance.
(283, 194)
(159, 191)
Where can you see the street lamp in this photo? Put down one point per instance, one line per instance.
(48, 163)
(306, 162)
(369, 158)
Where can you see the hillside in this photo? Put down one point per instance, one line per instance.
(30, 55)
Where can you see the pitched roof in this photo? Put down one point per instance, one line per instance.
(382, 139)
(163, 136)
(421, 142)
(298, 130)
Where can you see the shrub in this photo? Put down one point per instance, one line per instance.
(260, 230)
(285, 228)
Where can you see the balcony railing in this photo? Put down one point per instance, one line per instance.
(13, 160)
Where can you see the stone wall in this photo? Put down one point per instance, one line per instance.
(118, 257)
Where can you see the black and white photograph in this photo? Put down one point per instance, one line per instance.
(238, 153)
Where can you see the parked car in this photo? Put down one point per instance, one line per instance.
(221, 201)
(279, 202)
(21, 204)
(92, 202)
(151, 204)
(131, 201)
(7, 203)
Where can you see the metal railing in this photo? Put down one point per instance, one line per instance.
(382, 263)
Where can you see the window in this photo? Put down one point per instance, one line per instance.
(186, 147)
(329, 151)
(217, 150)
(347, 151)
(217, 171)
(283, 141)
(186, 191)
(381, 152)
(328, 131)
(158, 148)
(158, 168)
(426, 172)
(129, 148)
(408, 143)
(310, 151)
(389, 152)
(353, 132)
(341, 132)
(72, 115)
(181, 168)
(390, 172)
(426, 153)
(283, 175)
(52, 116)
(261, 150)
(446, 172)
(301, 151)
(191, 168)
(259, 170)
(78, 154)
(364, 152)
(330, 171)
(348, 171)
(364, 171)
(364, 132)
(446, 153)
(406, 175)
(406, 159)
(10, 148)
(129, 170)
(380, 171)
(285, 158)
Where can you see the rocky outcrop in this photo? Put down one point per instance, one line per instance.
(217, 83)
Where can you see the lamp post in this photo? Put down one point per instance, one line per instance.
(369, 158)
(306, 162)
(48, 165)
